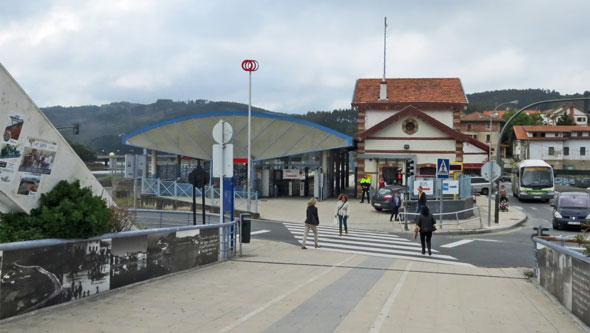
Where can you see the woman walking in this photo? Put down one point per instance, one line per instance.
(342, 212)
(396, 201)
(425, 225)
(311, 222)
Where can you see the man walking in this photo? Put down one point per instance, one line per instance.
(365, 186)
(421, 201)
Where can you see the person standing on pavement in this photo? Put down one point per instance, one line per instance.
(425, 225)
(396, 202)
(342, 212)
(421, 201)
(311, 222)
(381, 183)
(365, 187)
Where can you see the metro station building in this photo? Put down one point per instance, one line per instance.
(417, 119)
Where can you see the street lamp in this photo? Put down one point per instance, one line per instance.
(498, 157)
(249, 66)
(491, 189)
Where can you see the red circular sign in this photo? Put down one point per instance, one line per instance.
(250, 65)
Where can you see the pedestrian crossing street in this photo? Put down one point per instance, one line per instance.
(369, 243)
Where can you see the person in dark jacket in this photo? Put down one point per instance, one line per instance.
(425, 225)
(421, 201)
(396, 203)
(311, 222)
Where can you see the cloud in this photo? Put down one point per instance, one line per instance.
(311, 53)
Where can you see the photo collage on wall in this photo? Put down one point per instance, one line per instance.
(11, 148)
(37, 277)
(38, 159)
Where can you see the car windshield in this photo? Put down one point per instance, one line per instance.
(574, 201)
(537, 176)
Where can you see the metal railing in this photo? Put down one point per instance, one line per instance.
(406, 216)
(166, 188)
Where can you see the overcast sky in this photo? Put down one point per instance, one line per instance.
(310, 52)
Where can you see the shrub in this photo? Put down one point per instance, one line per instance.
(67, 211)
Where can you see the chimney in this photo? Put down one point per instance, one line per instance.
(572, 113)
(383, 91)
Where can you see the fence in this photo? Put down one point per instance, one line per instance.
(406, 216)
(177, 189)
(565, 273)
(41, 273)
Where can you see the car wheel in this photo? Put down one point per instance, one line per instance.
(378, 209)
(484, 191)
(555, 227)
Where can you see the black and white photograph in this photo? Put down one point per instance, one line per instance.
(160, 253)
(128, 260)
(186, 249)
(37, 277)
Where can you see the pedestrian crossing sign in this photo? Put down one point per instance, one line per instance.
(442, 168)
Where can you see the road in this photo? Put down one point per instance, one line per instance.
(511, 248)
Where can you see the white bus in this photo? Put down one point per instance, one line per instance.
(533, 179)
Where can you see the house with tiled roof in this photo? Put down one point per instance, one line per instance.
(578, 116)
(477, 126)
(564, 147)
(418, 119)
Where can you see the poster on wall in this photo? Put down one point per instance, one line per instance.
(38, 156)
(9, 150)
(29, 184)
(427, 185)
(129, 260)
(293, 174)
(7, 172)
(37, 277)
(13, 127)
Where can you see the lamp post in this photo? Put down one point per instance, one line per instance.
(491, 189)
(498, 157)
(249, 66)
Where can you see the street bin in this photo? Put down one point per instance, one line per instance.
(246, 227)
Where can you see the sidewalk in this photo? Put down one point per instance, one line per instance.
(277, 287)
(364, 216)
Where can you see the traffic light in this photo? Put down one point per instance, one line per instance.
(409, 168)
(76, 128)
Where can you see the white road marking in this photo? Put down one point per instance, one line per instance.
(533, 208)
(384, 313)
(258, 232)
(457, 243)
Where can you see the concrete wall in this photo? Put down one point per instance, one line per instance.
(34, 156)
(36, 274)
(567, 277)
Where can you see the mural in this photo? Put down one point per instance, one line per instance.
(33, 278)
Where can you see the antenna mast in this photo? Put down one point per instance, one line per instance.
(384, 47)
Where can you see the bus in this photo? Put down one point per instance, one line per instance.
(533, 179)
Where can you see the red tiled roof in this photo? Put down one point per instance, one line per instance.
(412, 111)
(440, 90)
(478, 116)
(521, 131)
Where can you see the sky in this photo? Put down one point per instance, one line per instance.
(310, 53)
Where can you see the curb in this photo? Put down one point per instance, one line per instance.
(484, 231)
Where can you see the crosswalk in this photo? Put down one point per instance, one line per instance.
(369, 243)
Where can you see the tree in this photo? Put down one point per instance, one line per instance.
(86, 154)
(565, 119)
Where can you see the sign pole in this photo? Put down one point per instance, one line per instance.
(221, 220)
(490, 196)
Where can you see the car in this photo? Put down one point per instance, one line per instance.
(571, 209)
(479, 186)
(382, 199)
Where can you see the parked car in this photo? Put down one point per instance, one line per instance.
(382, 199)
(571, 209)
(479, 185)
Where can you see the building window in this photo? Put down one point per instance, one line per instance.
(582, 151)
(566, 151)
(581, 120)
(488, 126)
(410, 126)
(469, 127)
(579, 133)
(551, 151)
(487, 138)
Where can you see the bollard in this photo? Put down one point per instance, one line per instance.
(245, 228)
